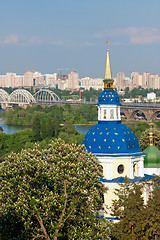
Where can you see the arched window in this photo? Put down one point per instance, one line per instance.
(120, 169)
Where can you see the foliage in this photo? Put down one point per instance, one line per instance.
(144, 140)
(36, 127)
(55, 192)
(137, 221)
(129, 208)
(65, 114)
(152, 216)
(137, 92)
(137, 127)
(15, 141)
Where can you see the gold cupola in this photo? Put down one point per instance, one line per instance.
(108, 80)
(151, 135)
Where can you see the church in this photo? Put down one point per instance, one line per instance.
(113, 143)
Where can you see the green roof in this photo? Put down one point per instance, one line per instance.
(152, 157)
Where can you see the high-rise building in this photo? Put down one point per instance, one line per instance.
(120, 81)
(73, 81)
(28, 79)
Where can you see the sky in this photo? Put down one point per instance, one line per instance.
(48, 35)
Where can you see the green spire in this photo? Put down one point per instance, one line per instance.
(108, 81)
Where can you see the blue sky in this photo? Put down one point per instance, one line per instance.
(46, 35)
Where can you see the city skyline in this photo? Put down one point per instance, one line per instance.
(46, 36)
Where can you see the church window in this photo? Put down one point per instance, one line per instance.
(118, 147)
(99, 147)
(117, 114)
(111, 114)
(113, 140)
(89, 147)
(104, 140)
(105, 114)
(109, 147)
(100, 133)
(120, 169)
(94, 140)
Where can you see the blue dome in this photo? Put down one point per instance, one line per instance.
(109, 96)
(111, 139)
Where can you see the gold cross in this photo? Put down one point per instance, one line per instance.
(107, 43)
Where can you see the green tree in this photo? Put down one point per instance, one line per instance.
(55, 192)
(36, 127)
(144, 139)
(152, 216)
(129, 208)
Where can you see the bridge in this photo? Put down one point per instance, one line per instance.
(146, 111)
(22, 97)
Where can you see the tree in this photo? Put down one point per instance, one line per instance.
(152, 216)
(36, 127)
(129, 208)
(144, 140)
(55, 192)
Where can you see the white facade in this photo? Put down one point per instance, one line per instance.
(151, 96)
(109, 113)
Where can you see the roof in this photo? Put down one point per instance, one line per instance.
(109, 96)
(122, 179)
(152, 157)
(111, 139)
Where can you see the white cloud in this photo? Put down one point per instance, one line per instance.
(134, 35)
(10, 39)
(58, 43)
(35, 40)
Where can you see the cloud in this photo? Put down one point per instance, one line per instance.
(134, 35)
(58, 43)
(10, 39)
(35, 40)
